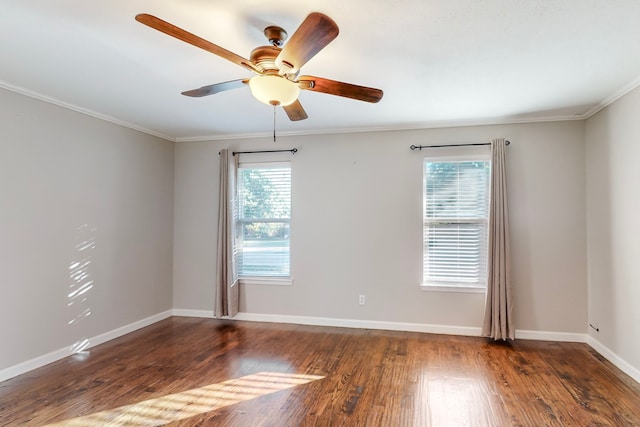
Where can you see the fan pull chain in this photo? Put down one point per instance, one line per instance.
(274, 123)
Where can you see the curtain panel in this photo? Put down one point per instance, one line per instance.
(227, 285)
(498, 318)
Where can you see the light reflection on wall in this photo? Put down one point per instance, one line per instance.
(187, 404)
(81, 282)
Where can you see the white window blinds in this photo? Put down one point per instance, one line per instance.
(456, 209)
(264, 214)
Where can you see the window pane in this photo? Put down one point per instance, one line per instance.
(456, 210)
(264, 192)
(456, 189)
(264, 210)
(264, 249)
(455, 253)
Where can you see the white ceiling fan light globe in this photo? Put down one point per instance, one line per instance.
(272, 89)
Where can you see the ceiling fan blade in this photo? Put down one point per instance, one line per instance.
(215, 88)
(192, 39)
(295, 111)
(332, 87)
(315, 32)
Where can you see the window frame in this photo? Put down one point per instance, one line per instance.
(276, 280)
(454, 154)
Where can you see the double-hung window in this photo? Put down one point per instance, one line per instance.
(455, 214)
(263, 223)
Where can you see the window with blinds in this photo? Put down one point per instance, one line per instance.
(456, 211)
(264, 214)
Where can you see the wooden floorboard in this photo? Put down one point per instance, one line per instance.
(206, 372)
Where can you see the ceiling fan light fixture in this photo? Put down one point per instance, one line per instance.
(273, 89)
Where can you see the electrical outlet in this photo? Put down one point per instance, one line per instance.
(361, 300)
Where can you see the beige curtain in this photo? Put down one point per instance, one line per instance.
(226, 292)
(498, 319)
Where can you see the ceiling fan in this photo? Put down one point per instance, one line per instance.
(276, 81)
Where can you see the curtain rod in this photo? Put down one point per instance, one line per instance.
(292, 150)
(420, 147)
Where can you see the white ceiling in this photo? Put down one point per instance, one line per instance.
(439, 62)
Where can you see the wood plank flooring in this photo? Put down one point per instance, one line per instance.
(205, 372)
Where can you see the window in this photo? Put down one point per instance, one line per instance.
(264, 214)
(455, 214)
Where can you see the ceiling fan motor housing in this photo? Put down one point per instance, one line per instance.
(264, 57)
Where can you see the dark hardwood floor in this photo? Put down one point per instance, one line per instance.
(204, 372)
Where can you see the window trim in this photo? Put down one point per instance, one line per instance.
(453, 288)
(474, 154)
(266, 280)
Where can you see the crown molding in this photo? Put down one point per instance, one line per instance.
(634, 84)
(68, 106)
(390, 128)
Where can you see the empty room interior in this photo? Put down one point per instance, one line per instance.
(320, 213)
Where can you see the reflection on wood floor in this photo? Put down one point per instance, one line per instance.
(205, 372)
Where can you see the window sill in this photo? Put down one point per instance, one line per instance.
(276, 281)
(458, 289)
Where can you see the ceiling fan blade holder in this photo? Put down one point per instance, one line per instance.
(216, 88)
(187, 37)
(347, 90)
(315, 32)
(295, 112)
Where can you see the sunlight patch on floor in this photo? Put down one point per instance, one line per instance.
(179, 406)
(451, 400)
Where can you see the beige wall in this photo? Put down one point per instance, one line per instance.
(356, 228)
(66, 178)
(613, 210)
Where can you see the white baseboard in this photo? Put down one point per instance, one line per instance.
(108, 336)
(192, 313)
(362, 324)
(21, 368)
(387, 326)
(551, 336)
(340, 323)
(425, 328)
(37, 362)
(619, 362)
(56, 355)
